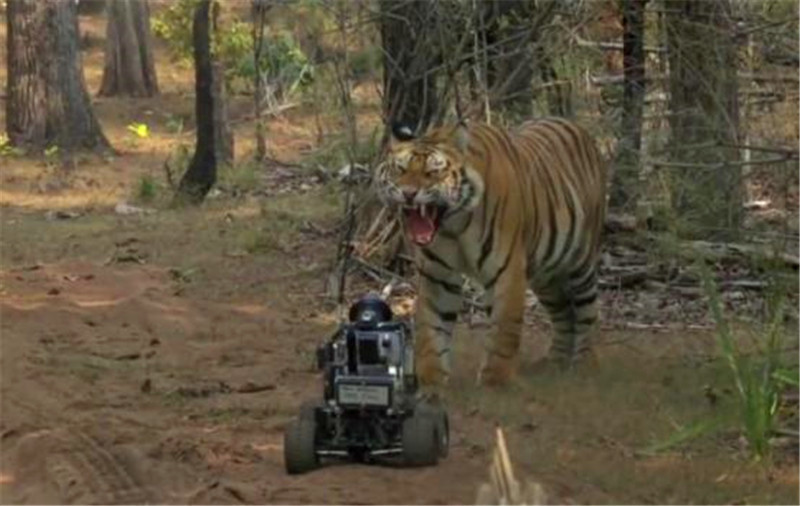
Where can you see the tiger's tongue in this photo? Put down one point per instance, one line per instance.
(420, 228)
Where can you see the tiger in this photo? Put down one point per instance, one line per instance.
(510, 209)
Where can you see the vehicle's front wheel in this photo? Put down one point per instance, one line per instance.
(299, 445)
(443, 434)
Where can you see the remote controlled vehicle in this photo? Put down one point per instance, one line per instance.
(371, 406)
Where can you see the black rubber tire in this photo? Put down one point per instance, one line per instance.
(308, 410)
(420, 440)
(299, 446)
(439, 416)
(443, 434)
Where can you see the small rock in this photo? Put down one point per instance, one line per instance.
(126, 209)
(61, 215)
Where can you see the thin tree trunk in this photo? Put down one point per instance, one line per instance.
(704, 108)
(90, 7)
(626, 166)
(259, 9)
(410, 95)
(510, 59)
(48, 104)
(223, 134)
(129, 66)
(202, 172)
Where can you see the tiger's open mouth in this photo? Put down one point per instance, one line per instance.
(422, 221)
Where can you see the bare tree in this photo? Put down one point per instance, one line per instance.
(129, 66)
(47, 99)
(202, 172)
(626, 163)
(704, 110)
(507, 35)
(407, 35)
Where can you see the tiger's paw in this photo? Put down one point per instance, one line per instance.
(496, 372)
(587, 360)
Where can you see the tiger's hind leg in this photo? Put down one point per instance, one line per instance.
(571, 302)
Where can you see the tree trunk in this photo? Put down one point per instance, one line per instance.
(129, 67)
(202, 172)
(47, 104)
(626, 165)
(508, 27)
(704, 109)
(558, 94)
(410, 95)
(223, 135)
(90, 7)
(259, 11)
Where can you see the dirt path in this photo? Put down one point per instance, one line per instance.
(125, 383)
(117, 391)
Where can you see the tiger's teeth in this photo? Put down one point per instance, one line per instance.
(422, 211)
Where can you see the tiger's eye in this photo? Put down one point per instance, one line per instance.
(436, 162)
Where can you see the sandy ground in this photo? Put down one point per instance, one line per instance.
(115, 390)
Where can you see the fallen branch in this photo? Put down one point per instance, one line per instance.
(503, 487)
(723, 250)
(375, 272)
(623, 277)
(613, 46)
(620, 223)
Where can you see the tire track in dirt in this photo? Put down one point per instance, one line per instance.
(79, 469)
(76, 464)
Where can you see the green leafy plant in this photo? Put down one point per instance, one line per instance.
(146, 189)
(242, 177)
(175, 124)
(176, 164)
(365, 63)
(757, 377)
(284, 64)
(6, 149)
(174, 25)
(51, 152)
(336, 153)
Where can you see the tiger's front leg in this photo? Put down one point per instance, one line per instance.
(507, 299)
(438, 303)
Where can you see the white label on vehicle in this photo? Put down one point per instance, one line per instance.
(369, 395)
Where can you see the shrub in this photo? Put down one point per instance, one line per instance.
(285, 65)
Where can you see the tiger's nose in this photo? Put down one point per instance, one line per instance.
(409, 194)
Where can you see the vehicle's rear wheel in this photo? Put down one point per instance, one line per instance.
(308, 410)
(299, 445)
(420, 440)
(443, 434)
(439, 416)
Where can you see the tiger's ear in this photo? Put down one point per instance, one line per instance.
(461, 137)
(402, 132)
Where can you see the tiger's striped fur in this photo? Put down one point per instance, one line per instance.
(510, 210)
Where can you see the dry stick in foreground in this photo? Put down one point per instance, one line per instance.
(502, 487)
